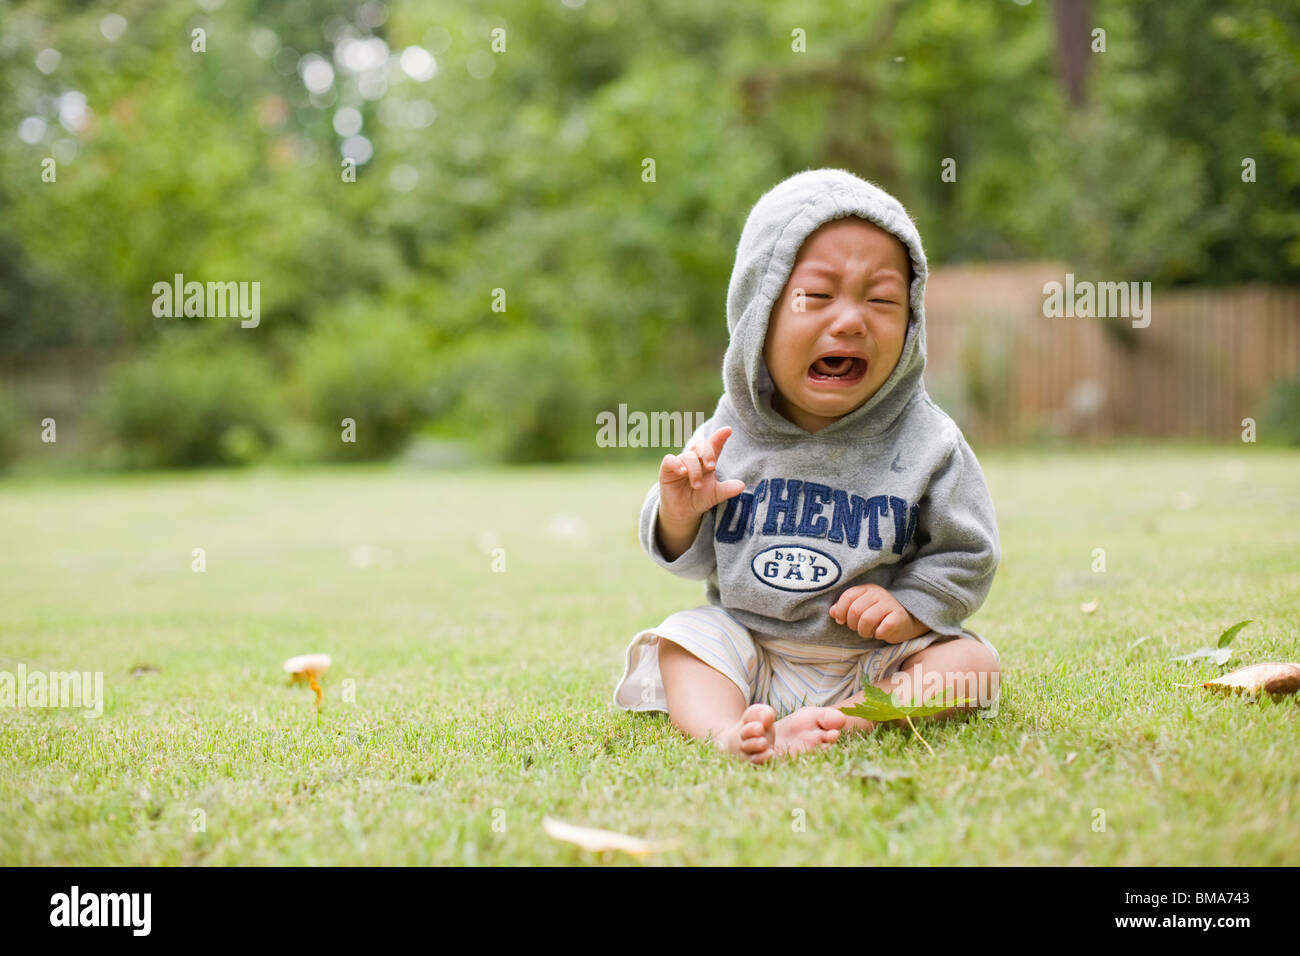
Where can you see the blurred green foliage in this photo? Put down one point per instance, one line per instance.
(365, 363)
(521, 171)
(12, 420)
(1281, 419)
(182, 402)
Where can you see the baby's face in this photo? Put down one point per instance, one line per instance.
(831, 357)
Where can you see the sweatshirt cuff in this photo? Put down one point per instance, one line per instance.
(697, 561)
(936, 610)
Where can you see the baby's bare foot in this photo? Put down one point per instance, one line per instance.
(753, 736)
(808, 728)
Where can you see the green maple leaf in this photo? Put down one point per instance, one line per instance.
(877, 706)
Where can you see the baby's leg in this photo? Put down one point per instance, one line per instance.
(966, 667)
(703, 702)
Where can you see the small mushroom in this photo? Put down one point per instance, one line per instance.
(308, 667)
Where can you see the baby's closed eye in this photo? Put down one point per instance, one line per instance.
(827, 295)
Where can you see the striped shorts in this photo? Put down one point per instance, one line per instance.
(786, 675)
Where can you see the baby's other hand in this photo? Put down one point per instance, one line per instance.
(872, 611)
(688, 483)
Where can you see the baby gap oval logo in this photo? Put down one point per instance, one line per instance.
(795, 568)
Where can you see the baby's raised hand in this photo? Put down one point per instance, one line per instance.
(688, 483)
(874, 613)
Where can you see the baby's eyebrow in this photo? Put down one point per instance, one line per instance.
(821, 268)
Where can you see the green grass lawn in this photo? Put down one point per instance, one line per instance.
(482, 699)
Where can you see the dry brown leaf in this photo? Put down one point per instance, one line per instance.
(1271, 678)
(598, 841)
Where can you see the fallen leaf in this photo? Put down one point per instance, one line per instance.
(1088, 607)
(567, 527)
(1235, 470)
(599, 841)
(1219, 655)
(1270, 678)
(877, 706)
(364, 555)
(1220, 652)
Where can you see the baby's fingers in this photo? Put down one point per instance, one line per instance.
(841, 604)
(717, 440)
(704, 450)
(671, 469)
(729, 489)
(892, 629)
(694, 470)
(868, 622)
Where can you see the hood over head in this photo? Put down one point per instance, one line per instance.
(769, 243)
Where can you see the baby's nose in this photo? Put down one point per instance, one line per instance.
(849, 317)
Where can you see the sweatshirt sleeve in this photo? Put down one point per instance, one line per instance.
(957, 547)
(696, 562)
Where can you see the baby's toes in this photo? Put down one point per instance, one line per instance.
(757, 728)
(829, 722)
(757, 720)
(831, 718)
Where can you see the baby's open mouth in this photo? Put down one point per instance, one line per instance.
(838, 368)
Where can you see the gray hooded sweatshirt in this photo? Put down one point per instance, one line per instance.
(889, 494)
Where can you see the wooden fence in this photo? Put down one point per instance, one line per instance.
(1209, 358)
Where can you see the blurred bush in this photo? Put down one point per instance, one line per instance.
(185, 403)
(1281, 419)
(364, 363)
(529, 398)
(986, 369)
(527, 171)
(11, 424)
